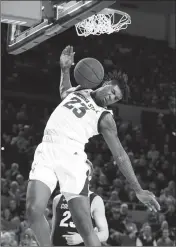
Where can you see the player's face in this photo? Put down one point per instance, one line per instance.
(108, 95)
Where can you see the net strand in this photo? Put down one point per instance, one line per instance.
(102, 23)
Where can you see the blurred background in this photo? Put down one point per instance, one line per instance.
(146, 127)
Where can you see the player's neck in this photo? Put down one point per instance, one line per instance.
(93, 95)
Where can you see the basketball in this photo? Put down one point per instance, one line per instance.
(89, 73)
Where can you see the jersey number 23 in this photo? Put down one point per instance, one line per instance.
(65, 222)
(80, 110)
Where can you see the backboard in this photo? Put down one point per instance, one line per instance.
(32, 22)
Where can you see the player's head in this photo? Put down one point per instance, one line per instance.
(111, 92)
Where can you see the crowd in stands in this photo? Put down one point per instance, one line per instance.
(150, 68)
(155, 168)
(149, 64)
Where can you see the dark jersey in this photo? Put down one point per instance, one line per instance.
(146, 242)
(64, 223)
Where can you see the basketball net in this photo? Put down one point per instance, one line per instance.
(102, 23)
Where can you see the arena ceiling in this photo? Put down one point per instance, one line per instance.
(154, 6)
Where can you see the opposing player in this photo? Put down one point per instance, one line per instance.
(61, 157)
(64, 231)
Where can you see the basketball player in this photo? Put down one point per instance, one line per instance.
(61, 157)
(64, 232)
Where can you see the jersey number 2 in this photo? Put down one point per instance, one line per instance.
(67, 216)
(78, 111)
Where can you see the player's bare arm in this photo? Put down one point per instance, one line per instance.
(55, 203)
(66, 61)
(109, 131)
(98, 214)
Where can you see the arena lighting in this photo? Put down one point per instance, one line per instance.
(174, 133)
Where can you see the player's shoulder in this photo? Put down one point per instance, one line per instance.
(107, 121)
(57, 199)
(97, 200)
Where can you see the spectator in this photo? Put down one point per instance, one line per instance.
(14, 190)
(21, 183)
(13, 172)
(124, 211)
(165, 239)
(172, 188)
(5, 219)
(146, 238)
(129, 238)
(22, 116)
(7, 240)
(153, 154)
(114, 198)
(14, 210)
(116, 224)
(132, 199)
(28, 239)
(171, 215)
(20, 141)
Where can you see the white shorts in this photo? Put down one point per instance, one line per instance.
(53, 163)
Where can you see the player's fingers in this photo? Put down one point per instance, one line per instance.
(78, 87)
(153, 208)
(73, 57)
(66, 50)
(71, 49)
(65, 236)
(71, 233)
(69, 241)
(155, 204)
(148, 206)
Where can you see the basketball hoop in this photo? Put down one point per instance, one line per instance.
(103, 22)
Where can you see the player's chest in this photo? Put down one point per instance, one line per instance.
(81, 107)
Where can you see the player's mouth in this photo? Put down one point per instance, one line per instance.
(107, 99)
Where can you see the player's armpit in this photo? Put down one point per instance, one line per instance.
(98, 214)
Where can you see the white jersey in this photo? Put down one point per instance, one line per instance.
(75, 119)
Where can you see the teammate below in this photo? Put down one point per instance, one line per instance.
(64, 232)
(60, 157)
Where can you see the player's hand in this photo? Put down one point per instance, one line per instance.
(149, 200)
(67, 58)
(73, 89)
(73, 238)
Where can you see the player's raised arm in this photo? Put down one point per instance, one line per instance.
(109, 132)
(66, 61)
